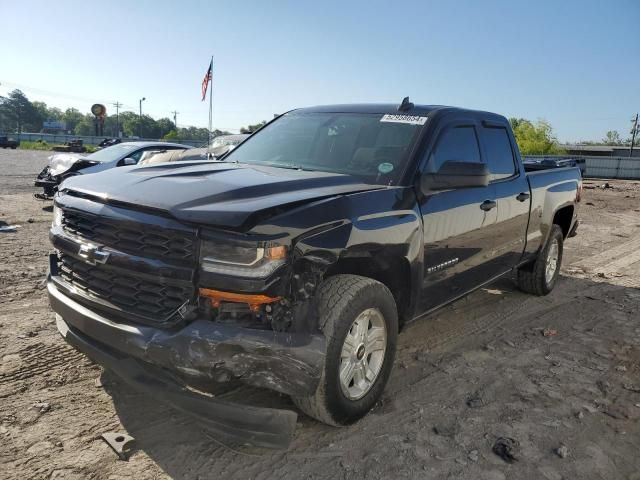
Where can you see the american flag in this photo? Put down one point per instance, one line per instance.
(206, 80)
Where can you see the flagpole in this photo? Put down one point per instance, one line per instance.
(211, 102)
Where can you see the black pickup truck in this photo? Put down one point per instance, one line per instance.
(6, 142)
(293, 264)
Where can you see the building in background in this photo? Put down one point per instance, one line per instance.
(54, 126)
(601, 150)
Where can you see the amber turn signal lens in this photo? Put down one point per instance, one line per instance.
(277, 253)
(254, 301)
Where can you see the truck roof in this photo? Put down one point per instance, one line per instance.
(390, 108)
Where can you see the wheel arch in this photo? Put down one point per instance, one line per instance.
(392, 271)
(563, 218)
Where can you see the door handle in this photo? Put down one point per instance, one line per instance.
(488, 205)
(522, 196)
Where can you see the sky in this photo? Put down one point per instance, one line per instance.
(573, 63)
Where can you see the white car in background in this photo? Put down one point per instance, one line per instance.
(64, 165)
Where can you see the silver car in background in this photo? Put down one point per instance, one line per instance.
(64, 165)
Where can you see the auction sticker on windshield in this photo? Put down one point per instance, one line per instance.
(410, 119)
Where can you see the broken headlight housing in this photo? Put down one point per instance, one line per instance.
(57, 216)
(249, 260)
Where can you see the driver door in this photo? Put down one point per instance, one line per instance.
(459, 224)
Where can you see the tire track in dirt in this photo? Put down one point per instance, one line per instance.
(462, 327)
(615, 265)
(516, 309)
(614, 254)
(37, 359)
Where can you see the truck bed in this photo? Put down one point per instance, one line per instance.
(546, 163)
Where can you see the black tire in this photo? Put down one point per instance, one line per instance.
(340, 300)
(532, 278)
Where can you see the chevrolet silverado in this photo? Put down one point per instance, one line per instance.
(294, 263)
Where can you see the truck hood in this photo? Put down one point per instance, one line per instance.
(221, 194)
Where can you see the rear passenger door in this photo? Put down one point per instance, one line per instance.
(511, 190)
(459, 225)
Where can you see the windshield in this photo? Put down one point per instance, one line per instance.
(115, 152)
(373, 147)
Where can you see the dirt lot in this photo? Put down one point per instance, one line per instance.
(480, 369)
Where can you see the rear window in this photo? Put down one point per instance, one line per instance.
(499, 153)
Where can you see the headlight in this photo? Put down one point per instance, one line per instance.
(61, 162)
(255, 261)
(57, 216)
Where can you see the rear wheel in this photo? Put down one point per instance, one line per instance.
(359, 319)
(540, 277)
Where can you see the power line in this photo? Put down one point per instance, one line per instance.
(175, 118)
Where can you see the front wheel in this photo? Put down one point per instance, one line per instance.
(359, 319)
(540, 277)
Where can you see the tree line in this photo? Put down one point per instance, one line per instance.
(19, 114)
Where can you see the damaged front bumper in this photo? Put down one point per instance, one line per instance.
(158, 360)
(47, 183)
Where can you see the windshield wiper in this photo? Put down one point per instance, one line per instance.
(290, 166)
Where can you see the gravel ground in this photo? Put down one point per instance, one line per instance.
(560, 375)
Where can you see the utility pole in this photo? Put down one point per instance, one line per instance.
(175, 119)
(634, 130)
(117, 105)
(140, 119)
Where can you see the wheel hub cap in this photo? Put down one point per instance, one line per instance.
(362, 353)
(552, 262)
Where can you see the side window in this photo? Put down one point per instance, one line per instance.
(459, 144)
(499, 153)
(136, 155)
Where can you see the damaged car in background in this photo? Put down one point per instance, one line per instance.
(218, 148)
(64, 165)
(293, 264)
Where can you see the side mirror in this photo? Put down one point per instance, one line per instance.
(454, 174)
(128, 161)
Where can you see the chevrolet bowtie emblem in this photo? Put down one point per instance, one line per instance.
(92, 255)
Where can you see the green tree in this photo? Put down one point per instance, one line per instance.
(612, 137)
(41, 114)
(171, 136)
(165, 126)
(86, 126)
(534, 138)
(18, 113)
(54, 113)
(253, 128)
(193, 133)
(72, 117)
(145, 127)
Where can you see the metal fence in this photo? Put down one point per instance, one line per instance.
(603, 167)
(53, 138)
